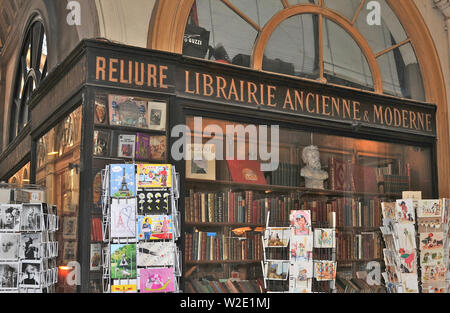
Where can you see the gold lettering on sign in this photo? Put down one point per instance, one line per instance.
(186, 85)
(288, 100)
(151, 72)
(271, 95)
(100, 68)
(112, 70)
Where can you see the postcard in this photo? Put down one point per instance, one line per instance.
(157, 280)
(154, 175)
(129, 288)
(101, 143)
(300, 286)
(122, 180)
(123, 261)
(431, 257)
(9, 273)
(429, 208)
(277, 237)
(31, 246)
(434, 272)
(302, 270)
(388, 210)
(410, 283)
(277, 270)
(10, 217)
(405, 211)
(123, 218)
(301, 248)
(70, 227)
(324, 238)
(9, 246)
(406, 234)
(434, 287)
(431, 241)
(156, 254)
(31, 273)
(154, 201)
(301, 221)
(408, 262)
(96, 257)
(155, 227)
(324, 270)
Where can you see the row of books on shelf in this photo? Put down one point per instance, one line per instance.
(212, 246)
(223, 286)
(285, 175)
(364, 246)
(96, 229)
(357, 213)
(356, 285)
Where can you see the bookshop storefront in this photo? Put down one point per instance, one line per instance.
(322, 148)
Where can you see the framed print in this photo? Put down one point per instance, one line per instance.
(30, 274)
(10, 216)
(70, 227)
(31, 217)
(157, 280)
(100, 114)
(157, 112)
(31, 246)
(9, 274)
(201, 163)
(126, 111)
(69, 251)
(158, 147)
(126, 146)
(123, 261)
(9, 246)
(101, 143)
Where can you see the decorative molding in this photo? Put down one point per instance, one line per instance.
(443, 6)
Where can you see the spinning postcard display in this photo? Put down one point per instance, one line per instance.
(28, 248)
(142, 219)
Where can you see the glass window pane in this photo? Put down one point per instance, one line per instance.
(259, 11)
(293, 47)
(215, 32)
(401, 73)
(383, 36)
(21, 177)
(347, 8)
(344, 62)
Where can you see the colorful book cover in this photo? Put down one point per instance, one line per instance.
(154, 201)
(126, 146)
(277, 237)
(155, 227)
(301, 248)
(158, 147)
(126, 111)
(123, 218)
(277, 270)
(301, 222)
(405, 211)
(154, 175)
(429, 208)
(324, 238)
(246, 171)
(122, 181)
(142, 146)
(302, 270)
(156, 254)
(157, 280)
(324, 270)
(123, 261)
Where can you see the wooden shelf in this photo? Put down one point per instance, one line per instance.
(191, 262)
(206, 224)
(277, 188)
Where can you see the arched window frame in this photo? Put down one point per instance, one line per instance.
(31, 69)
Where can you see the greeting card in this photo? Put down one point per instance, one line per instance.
(123, 261)
(301, 248)
(157, 280)
(156, 254)
(123, 218)
(324, 238)
(155, 227)
(154, 201)
(122, 180)
(405, 211)
(301, 221)
(154, 175)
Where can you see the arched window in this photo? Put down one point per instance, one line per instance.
(31, 69)
(332, 41)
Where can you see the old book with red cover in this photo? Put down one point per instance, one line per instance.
(364, 178)
(339, 176)
(246, 171)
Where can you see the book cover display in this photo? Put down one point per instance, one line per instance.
(126, 111)
(126, 146)
(28, 249)
(141, 253)
(246, 171)
(143, 146)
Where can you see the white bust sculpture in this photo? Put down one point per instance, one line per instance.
(314, 175)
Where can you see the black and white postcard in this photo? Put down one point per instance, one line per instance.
(30, 273)
(9, 246)
(30, 246)
(31, 217)
(9, 275)
(10, 217)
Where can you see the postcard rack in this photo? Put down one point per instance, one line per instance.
(140, 234)
(288, 264)
(27, 230)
